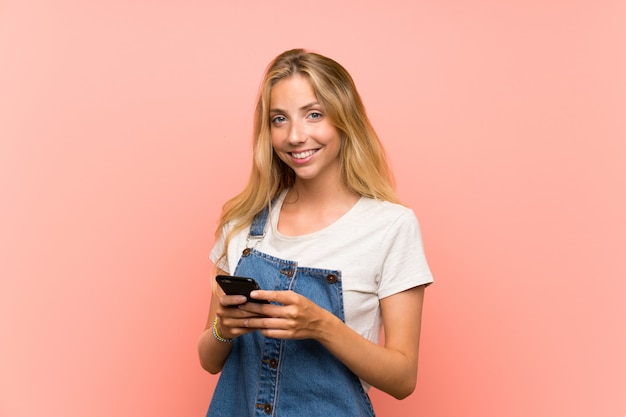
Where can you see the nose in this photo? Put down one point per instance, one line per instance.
(297, 134)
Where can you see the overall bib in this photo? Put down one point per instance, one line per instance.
(263, 376)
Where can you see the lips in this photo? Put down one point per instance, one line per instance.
(303, 154)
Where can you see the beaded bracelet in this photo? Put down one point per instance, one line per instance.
(217, 335)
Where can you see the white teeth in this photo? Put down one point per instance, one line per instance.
(302, 155)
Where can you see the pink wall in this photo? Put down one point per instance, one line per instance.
(125, 125)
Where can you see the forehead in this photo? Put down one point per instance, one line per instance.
(293, 88)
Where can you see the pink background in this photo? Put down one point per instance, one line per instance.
(124, 126)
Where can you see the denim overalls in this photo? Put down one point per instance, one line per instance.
(287, 378)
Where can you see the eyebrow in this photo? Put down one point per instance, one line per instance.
(305, 107)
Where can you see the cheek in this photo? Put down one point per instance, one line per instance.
(274, 138)
(276, 135)
(276, 149)
(332, 136)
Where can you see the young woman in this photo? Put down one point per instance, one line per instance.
(319, 227)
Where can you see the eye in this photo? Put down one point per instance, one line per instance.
(315, 115)
(278, 120)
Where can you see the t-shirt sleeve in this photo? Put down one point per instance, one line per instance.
(404, 264)
(216, 253)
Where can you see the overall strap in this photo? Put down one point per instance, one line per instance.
(257, 228)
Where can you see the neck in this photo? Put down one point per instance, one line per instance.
(317, 194)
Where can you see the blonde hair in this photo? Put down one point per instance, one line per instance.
(364, 166)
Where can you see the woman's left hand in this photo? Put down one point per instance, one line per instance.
(391, 368)
(294, 317)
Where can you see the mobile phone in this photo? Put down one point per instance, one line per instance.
(233, 285)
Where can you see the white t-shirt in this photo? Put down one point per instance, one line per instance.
(377, 246)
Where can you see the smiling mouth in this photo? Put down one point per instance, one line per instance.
(302, 155)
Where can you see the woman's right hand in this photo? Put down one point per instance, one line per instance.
(230, 324)
(232, 321)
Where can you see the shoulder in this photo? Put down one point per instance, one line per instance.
(380, 211)
(378, 221)
(394, 225)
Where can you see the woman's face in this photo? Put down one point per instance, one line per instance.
(302, 135)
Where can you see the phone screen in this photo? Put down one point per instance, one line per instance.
(233, 285)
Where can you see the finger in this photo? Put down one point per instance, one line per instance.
(232, 300)
(261, 310)
(265, 323)
(237, 312)
(281, 297)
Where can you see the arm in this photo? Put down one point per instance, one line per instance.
(212, 352)
(391, 368)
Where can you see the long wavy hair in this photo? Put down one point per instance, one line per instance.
(364, 166)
